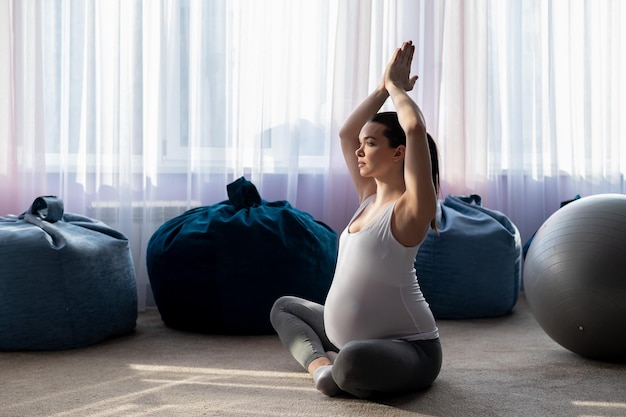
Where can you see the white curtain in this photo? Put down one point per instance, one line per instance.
(557, 100)
(133, 111)
(532, 102)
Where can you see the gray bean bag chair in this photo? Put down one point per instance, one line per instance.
(66, 280)
(473, 267)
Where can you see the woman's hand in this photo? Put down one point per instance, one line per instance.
(398, 70)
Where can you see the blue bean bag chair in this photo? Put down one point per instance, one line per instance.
(218, 269)
(472, 268)
(66, 281)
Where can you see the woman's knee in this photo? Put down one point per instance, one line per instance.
(352, 364)
(279, 307)
(289, 307)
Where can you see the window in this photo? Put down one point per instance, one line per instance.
(185, 80)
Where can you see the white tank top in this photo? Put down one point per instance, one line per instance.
(375, 293)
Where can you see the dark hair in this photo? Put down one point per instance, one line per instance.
(396, 137)
(393, 131)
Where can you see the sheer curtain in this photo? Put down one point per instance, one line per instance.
(557, 97)
(133, 111)
(532, 103)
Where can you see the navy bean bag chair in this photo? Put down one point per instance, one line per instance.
(473, 267)
(218, 269)
(66, 281)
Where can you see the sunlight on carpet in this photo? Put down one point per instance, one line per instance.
(217, 371)
(608, 407)
(230, 384)
(599, 404)
(164, 378)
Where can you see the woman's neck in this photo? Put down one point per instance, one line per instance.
(388, 191)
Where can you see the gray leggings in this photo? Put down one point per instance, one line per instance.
(362, 368)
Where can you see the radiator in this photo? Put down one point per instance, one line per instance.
(149, 213)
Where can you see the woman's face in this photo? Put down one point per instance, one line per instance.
(375, 156)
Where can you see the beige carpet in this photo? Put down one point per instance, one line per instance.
(492, 367)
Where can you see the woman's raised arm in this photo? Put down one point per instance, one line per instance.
(417, 207)
(349, 136)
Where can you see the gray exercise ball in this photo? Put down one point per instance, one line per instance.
(575, 277)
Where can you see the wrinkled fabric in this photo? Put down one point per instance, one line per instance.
(473, 266)
(219, 268)
(65, 283)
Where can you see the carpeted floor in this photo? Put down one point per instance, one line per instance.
(492, 367)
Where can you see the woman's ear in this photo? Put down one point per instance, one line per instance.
(399, 153)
